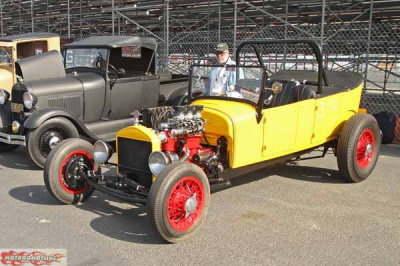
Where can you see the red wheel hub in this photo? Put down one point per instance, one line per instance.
(365, 148)
(69, 171)
(185, 203)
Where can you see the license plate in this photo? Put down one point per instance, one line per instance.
(17, 107)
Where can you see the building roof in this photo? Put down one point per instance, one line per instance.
(114, 42)
(24, 36)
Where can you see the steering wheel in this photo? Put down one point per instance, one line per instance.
(114, 70)
(197, 94)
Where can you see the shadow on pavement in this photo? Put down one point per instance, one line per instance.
(18, 159)
(390, 150)
(310, 174)
(293, 171)
(36, 194)
(127, 222)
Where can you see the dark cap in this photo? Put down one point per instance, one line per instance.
(221, 47)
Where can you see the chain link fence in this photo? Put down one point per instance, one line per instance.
(347, 47)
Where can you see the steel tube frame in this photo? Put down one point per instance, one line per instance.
(1, 16)
(368, 45)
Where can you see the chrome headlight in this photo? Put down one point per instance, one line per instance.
(102, 152)
(30, 100)
(158, 161)
(4, 96)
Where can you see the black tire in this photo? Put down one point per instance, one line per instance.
(7, 147)
(38, 139)
(64, 159)
(358, 147)
(172, 178)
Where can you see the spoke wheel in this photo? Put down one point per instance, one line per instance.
(358, 147)
(185, 203)
(365, 148)
(178, 201)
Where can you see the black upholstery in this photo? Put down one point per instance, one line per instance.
(291, 92)
(305, 92)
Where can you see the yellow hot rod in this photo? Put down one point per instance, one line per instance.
(174, 156)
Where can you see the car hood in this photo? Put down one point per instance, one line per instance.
(224, 117)
(235, 111)
(43, 66)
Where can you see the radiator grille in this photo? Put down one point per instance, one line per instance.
(71, 103)
(134, 154)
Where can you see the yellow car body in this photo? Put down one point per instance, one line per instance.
(283, 130)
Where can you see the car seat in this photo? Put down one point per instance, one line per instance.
(292, 91)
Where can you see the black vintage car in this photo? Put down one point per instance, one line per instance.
(90, 93)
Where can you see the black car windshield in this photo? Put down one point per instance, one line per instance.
(86, 57)
(244, 82)
(5, 56)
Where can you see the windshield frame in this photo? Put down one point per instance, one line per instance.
(257, 105)
(88, 48)
(10, 52)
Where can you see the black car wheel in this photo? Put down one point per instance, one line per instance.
(358, 147)
(178, 201)
(7, 147)
(65, 169)
(41, 140)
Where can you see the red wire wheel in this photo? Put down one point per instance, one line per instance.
(69, 171)
(358, 147)
(365, 148)
(178, 201)
(65, 170)
(185, 203)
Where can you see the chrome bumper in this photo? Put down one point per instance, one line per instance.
(12, 139)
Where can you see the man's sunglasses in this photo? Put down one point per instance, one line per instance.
(220, 53)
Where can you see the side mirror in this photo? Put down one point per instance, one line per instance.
(121, 72)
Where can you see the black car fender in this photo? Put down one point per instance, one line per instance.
(39, 117)
(5, 115)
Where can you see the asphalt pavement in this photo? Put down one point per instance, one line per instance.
(298, 214)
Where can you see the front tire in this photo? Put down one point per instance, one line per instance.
(178, 201)
(358, 147)
(41, 140)
(63, 175)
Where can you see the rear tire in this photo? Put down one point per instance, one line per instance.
(62, 177)
(42, 139)
(178, 201)
(358, 147)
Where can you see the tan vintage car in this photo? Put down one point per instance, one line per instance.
(20, 46)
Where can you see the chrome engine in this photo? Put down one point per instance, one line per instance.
(180, 130)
